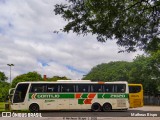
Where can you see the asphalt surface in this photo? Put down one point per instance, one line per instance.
(147, 112)
(129, 113)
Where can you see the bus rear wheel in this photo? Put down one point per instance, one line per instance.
(107, 107)
(34, 108)
(96, 107)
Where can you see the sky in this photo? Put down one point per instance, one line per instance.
(27, 41)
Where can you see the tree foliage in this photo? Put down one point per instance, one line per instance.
(133, 23)
(34, 76)
(113, 71)
(30, 76)
(4, 88)
(142, 70)
(155, 64)
(3, 76)
(55, 78)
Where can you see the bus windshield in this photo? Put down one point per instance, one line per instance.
(20, 93)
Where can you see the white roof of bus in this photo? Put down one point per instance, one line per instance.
(74, 81)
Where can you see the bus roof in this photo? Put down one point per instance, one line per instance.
(75, 81)
(134, 84)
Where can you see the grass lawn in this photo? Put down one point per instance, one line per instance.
(2, 106)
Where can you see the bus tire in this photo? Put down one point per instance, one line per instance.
(96, 107)
(107, 107)
(34, 107)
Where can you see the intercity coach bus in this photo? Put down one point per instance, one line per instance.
(135, 95)
(70, 95)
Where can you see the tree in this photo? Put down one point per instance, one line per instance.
(155, 66)
(4, 88)
(30, 76)
(144, 70)
(3, 76)
(112, 71)
(133, 23)
(55, 78)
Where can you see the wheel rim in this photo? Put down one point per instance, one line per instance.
(96, 107)
(34, 108)
(107, 107)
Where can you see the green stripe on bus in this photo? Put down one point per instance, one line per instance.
(84, 96)
(66, 95)
(30, 95)
(50, 96)
(80, 101)
(72, 95)
(112, 96)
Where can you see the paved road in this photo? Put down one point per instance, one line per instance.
(128, 113)
(144, 113)
(147, 111)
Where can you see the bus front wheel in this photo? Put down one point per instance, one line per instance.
(34, 108)
(107, 107)
(96, 107)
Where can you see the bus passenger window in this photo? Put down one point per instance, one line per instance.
(134, 89)
(52, 88)
(83, 88)
(99, 90)
(109, 87)
(107, 90)
(67, 88)
(120, 88)
(96, 88)
(38, 88)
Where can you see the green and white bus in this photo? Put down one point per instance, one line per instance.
(70, 95)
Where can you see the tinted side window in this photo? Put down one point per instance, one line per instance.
(120, 88)
(38, 88)
(67, 88)
(109, 88)
(53, 88)
(134, 89)
(83, 88)
(96, 88)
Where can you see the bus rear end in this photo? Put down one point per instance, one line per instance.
(135, 95)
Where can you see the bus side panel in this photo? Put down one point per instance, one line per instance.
(136, 100)
(116, 103)
(73, 104)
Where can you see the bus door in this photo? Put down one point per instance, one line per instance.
(135, 95)
(18, 101)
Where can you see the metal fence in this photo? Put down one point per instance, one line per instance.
(152, 100)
